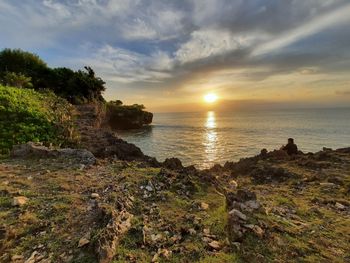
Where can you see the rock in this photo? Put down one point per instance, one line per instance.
(204, 206)
(206, 231)
(35, 257)
(156, 237)
(327, 184)
(83, 241)
(149, 188)
(268, 174)
(339, 206)
(258, 231)
(16, 258)
(192, 231)
(240, 215)
(215, 245)
(113, 224)
(252, 204)
(233, 184)
(37, 150)
(19, 200)
(173, 164)
(95, 196)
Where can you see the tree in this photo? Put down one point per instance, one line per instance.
(21, 62)
(76, 86)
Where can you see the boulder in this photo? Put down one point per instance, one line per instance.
(37, 150)
(19, 201)
(173, 164)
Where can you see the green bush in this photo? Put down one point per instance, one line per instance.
(28, 115)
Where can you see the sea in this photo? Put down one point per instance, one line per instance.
(205, 138)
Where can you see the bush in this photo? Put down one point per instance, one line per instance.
(17, 80)
(28, 115)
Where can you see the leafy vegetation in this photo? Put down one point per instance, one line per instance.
(26, 70)
(28, 115)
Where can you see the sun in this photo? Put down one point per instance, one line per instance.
(210, 98)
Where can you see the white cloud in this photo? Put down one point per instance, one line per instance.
(320, 23)
(209, 42)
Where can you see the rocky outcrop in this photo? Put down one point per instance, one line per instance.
(37, 150)
(113, 225)
(242, 207)
(128, 117)
(101, 141)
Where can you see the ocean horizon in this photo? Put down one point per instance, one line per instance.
(205, 138)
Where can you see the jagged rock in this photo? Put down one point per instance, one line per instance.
(37, 150)
(83, 242)
(339, 206)
(204, 206)
(173, 164)
(95, 196)
(17, 258)
(215, 245)
(267, 174)
(35, 257)
(19, 200)
(240, 215)
(113, 225)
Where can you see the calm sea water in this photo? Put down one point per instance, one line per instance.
(212, 137)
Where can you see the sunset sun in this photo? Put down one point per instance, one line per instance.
(210, 98)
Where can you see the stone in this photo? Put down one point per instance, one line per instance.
(252, 204)
(19, 201)
(192, 231)
(37, 150)
(35, 256)
(206, 231)
(149, 188)
(204, 206)
(83, 242)
(215, 245)
(339, 206)
(15, 258)
(327, 184)
(240, 215)
(233, 184)
(95, 196)
(258, 231)
(173, 164)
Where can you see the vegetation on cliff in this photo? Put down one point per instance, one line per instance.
(127, 116)
(28, 115)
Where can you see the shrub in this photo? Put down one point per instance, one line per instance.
(17, 80)
(28, 115)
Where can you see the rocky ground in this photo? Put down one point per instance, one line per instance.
(56, 207)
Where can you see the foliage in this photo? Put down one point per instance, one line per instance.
(17, 80)
(28, 115)
(76, 86)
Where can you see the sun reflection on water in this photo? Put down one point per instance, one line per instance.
(210, 137)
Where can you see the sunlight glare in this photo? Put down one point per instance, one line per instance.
(210, 98)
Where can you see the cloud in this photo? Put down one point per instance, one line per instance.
(165, 45)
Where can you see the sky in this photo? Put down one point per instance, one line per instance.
(168, 54)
